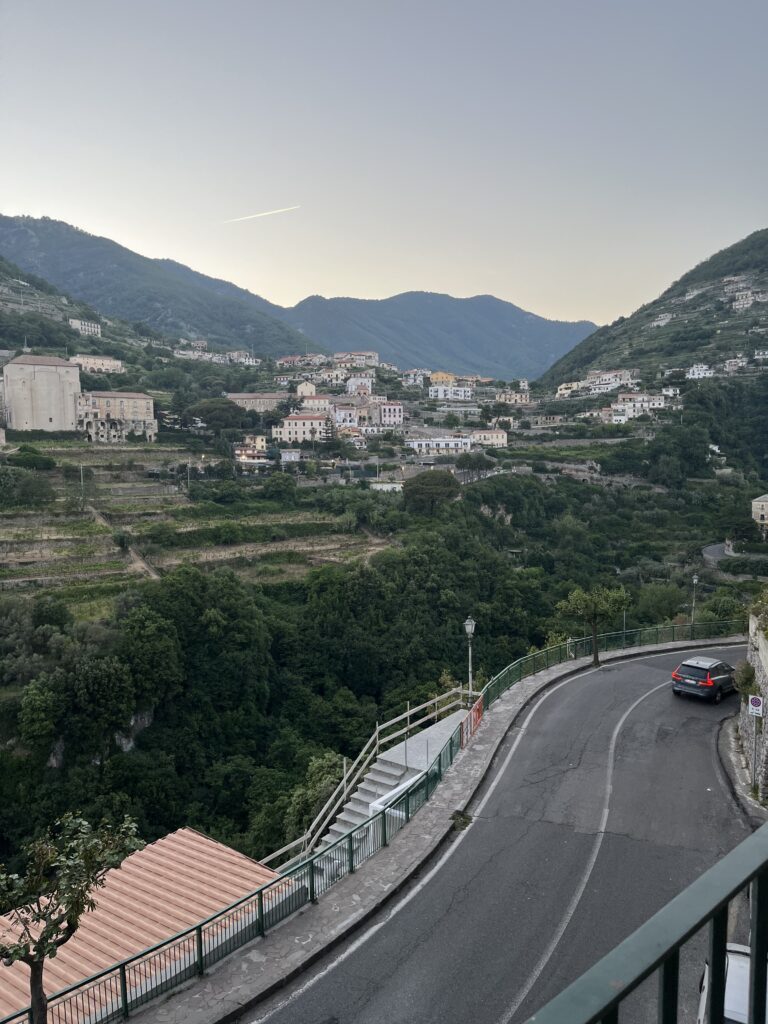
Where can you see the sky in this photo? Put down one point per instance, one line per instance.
(571, 156)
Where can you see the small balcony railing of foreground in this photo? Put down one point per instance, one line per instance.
(123, 988)
(655, 948)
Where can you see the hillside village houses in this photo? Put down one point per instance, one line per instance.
(356, 359)
(43, 393)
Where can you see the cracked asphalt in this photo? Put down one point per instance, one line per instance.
(587, 826)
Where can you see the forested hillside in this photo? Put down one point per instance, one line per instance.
(164, 295)
(227, 705)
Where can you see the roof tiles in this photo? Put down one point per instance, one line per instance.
(169, 886)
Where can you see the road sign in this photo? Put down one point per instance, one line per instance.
(756, 706)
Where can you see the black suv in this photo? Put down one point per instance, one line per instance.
(704, 677)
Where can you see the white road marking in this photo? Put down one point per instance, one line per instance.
(576, 898)
(406, 899)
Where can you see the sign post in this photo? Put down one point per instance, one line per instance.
(756, 711)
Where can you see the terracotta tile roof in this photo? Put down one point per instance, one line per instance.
(163, 889)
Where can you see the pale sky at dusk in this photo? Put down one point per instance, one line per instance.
(571, 156)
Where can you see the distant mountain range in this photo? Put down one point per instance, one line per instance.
(715, 311)
(480, 335)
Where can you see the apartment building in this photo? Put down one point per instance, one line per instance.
(514, 397)
(303, 426)
(451, 393)
(85, 327)
(433, 445)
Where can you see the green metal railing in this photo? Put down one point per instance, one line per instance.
(656, 946)
(116, 992)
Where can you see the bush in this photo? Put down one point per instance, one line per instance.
(30, 458)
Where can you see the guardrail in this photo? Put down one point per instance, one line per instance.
(119, 990)
(655, 948)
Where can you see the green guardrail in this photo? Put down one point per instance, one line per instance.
(655, 948)
(119, 990)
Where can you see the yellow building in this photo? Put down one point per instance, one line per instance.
(442, 377)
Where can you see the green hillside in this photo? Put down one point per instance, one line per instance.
(716, 310)
(164, 295)
(35, 314)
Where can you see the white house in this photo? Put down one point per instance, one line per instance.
(490, 438)
(699, 371)
(451, 392)
(359, 385)
(430, 445)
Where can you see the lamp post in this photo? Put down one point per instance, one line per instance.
(469, 629)
(693, 604)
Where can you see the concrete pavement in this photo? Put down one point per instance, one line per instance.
(257, 970)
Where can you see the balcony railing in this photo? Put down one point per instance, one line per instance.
(655, 948)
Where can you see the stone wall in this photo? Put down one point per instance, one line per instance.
(749, 727)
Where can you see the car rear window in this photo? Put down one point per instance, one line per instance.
(694, 671)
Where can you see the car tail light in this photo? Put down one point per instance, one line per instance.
(709, 681)
(676, 676)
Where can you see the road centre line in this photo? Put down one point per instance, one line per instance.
(412, 893)
(576, 898)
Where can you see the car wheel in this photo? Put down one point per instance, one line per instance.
(718, 696)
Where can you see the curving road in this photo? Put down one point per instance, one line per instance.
(606, 800)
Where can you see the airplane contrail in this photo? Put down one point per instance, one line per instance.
(267, 213)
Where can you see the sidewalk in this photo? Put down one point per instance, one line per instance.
(247, 976)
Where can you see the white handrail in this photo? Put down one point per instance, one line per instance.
(438, 706)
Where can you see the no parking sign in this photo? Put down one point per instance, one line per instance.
(756, 706)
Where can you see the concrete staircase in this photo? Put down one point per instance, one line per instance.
(399, 764)
(385, 775)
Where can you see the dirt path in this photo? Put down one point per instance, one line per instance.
(138, 561)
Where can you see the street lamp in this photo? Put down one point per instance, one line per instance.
(469, 629)
(693, 603)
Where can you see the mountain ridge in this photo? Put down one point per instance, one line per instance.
(479, 334)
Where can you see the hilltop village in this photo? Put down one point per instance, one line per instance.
(303, 402)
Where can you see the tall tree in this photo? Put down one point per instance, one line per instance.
(597, 605)
(46, 905)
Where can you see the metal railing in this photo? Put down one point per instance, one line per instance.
(656, 946)
(122, 988)
(384, 736)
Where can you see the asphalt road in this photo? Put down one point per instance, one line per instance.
(606, 801)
